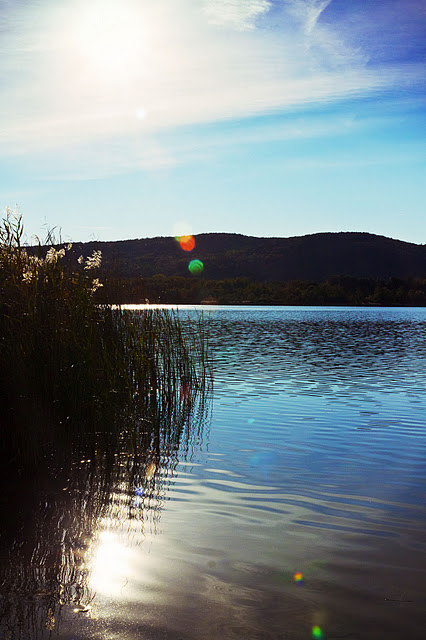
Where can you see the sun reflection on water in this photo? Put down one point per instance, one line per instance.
(110, 567)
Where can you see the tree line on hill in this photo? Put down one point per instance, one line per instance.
(225, 256)
(239, 269)
(336, 290)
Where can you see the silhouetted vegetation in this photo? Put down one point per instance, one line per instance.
(71, 367)
(337, 290)
(318, 269)
(225, 256)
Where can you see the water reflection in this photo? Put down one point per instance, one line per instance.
(68, 524)
(110, 565)
(303, 516)
(323, 352)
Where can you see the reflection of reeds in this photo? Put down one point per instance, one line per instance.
(95, 403)
(46, 563)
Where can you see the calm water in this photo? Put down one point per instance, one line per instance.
(309, 460)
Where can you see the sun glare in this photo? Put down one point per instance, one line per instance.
(111, 565)
(112, 38)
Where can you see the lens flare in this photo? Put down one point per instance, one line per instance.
(141, 114)
(181, 228)
(185, 392)
(196, 267)
(187, 243)
(317, 632)
(150, 471)
(298, 577)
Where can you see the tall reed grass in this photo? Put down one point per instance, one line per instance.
(74, 370)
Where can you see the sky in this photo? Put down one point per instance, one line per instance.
(139, 118)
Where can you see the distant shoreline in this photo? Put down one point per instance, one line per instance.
(335, 291)
(166, 305)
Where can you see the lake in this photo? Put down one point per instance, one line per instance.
(292, 507)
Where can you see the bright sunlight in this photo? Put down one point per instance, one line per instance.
(111, 565)
(115, 40)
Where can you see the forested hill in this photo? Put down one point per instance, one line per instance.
(313, 257)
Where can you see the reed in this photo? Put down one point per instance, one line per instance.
(72, 370)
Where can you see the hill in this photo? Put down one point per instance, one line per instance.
(315, 257)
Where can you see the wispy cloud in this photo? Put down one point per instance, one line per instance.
(97, 82)
(307, 11)
(238, 14)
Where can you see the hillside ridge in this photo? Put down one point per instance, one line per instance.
(314, 257)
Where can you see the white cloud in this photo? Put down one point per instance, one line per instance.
(307, 11)
(71, 88)
(237, 14)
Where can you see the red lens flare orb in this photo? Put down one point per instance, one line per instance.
(185, 392)
(187, 243)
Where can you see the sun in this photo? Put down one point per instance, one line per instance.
(112, 38)
(120, 59)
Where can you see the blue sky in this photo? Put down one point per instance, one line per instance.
(137, 118)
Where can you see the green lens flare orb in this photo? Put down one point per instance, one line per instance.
(196, 267)
(317, 632)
